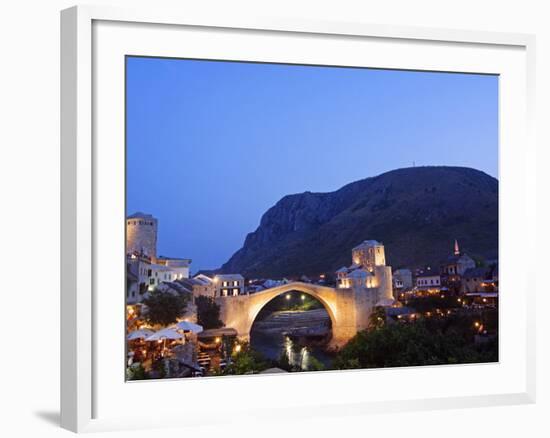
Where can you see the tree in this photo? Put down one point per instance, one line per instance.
(208, 312)
(136, 372)
(315, 364)
(377, 318)
(246, 361)
(164, 308)
(413, 344)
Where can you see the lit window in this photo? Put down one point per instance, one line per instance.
(235, 291)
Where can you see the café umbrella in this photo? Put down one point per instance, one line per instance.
(187, 326)
(139, 334)
(163, 335)
(167, 333)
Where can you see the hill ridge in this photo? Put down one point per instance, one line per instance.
(417, 212)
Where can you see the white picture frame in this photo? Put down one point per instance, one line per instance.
(84, 226)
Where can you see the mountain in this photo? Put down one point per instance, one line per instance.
(417, 213)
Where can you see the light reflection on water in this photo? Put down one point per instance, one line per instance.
(273, 345)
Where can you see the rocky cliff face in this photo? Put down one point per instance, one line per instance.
(416, 212)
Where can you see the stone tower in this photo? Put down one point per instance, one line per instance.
(141, 235)
(369, 254)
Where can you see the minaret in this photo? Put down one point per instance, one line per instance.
(457, 249)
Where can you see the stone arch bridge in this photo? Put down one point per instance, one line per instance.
(349, 309)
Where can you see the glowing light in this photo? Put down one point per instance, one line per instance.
(237, 348)
(476, 324)
(130, 311)
(287, 296)
(218, 340)
(303, 297)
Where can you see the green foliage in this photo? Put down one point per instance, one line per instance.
(377, 318)
(314, 364)
(164, 307)
(480, 261)
(432, 302)
(136, 372)
(297, 301)
(246, 361)
(208, 312)
(414, 344)
(489, 318)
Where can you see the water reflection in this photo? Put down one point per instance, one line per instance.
(276, 346)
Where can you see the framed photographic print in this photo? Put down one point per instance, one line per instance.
(262, 206)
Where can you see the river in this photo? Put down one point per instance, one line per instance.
(300, 335)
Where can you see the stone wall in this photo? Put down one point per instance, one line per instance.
(348, 309)
(385, 283)
(141, 235)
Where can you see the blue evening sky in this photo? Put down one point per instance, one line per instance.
(212, 145)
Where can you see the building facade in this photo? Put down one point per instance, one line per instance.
(453, 269)
(146, 271)
(428, 280)
(368, 271)
(179, 267)
(138, 272)
(229, 285)
(200, 285)
(483, 279)
(402, 279)
(369, 254)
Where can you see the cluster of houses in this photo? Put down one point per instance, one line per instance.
(147, 271)
(457, 275)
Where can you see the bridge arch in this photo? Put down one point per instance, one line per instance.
(291, 287)
(241, 311)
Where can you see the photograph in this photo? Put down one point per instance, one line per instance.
(288, 218)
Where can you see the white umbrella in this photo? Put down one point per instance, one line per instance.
(188, 326)
(167, 333)
(139, 334)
